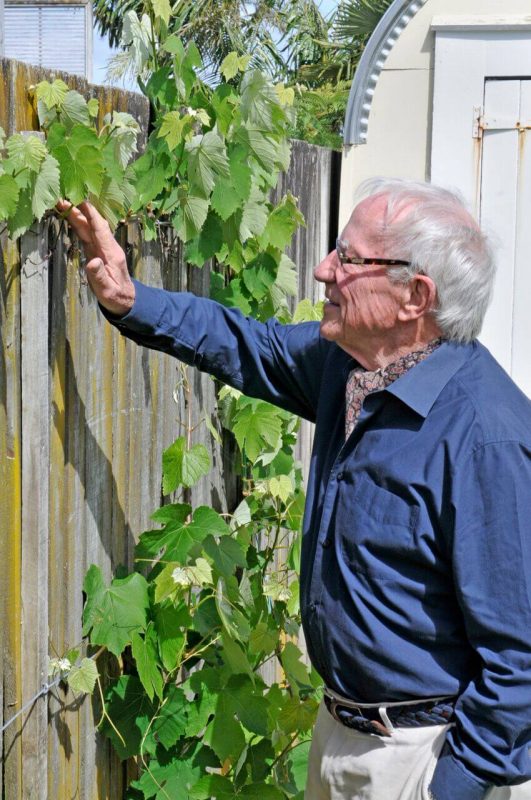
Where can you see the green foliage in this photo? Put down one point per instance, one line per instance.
(321, 113)
(83, 677)
(210, 600)
(70, 158)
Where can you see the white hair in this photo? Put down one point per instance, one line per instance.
(432, 228)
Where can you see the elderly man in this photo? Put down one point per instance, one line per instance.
(415, 587)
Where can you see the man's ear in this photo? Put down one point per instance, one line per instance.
(419, 298)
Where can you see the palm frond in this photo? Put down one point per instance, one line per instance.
(357, 19)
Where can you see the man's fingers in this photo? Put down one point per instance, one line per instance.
(98, 223)
(75, 218)
(96, 273)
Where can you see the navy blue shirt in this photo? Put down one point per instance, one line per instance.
(415, 577)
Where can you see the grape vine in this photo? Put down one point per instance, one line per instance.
(213, 598)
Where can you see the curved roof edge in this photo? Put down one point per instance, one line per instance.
(396, 18)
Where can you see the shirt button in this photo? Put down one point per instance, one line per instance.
(312, 606)
(327, 542)
(340, 476)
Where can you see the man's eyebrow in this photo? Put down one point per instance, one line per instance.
(344, 249)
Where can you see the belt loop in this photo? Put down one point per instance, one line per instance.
(385, 718)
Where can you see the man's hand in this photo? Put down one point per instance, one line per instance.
(106, 265)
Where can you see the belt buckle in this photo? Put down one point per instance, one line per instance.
(361, 724)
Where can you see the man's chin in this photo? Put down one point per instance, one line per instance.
(328, 330)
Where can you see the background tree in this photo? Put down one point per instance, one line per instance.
(290, 40)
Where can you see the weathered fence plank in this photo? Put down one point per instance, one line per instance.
(10, 516)
(34, 310)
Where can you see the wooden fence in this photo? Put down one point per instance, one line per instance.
(84, 418)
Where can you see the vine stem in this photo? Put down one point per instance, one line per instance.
(287, 748)
(104, 714)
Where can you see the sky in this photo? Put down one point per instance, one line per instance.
(102, 52)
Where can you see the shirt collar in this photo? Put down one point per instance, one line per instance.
(420, 386)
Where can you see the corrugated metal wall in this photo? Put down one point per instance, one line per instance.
(84, 418)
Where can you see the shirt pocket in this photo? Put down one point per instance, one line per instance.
(376, 528)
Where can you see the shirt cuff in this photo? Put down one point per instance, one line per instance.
(451, 782)
(145, 313)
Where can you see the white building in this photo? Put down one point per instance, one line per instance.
(50, 34)
(443, 93)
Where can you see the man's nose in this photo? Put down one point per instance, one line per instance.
(326, 270)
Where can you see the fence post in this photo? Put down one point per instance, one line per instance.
(35, 485)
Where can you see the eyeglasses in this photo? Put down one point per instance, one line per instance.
(380, 262)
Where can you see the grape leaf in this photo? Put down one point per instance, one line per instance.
(144, 649)
(259, 275)
(254, 216)
(47, 189)
(231, 193)
(275, 588)
(93, 106)
(230, 66)
(235, 657)
(206, 245)
(112, 614)
(257, 427)
(22, 219)
(285, 94)
(210, 786)
(232, 618)
(281, 224)
(51, 94)
(172, 718)
(182, 466)
(173, 512)
(169, 622)
(286, 282)
(227, 554)
(191, 216)
(225, 735)
(83, 678)
(176, 128)
(296, 672)
(281, 486)
(260, 102)
(131, 712)
(263, 147)
(110, 201)
(9, 192)
(248, 703)
(261, 791)
(124, 132)
(178, 539)
(263, 639)
(207, 159)
(26, 151)
(74, 110)
(307, 312)
(297, 714)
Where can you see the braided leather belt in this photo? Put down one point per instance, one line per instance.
(370, 719)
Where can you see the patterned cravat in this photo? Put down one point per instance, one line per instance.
(362, 382)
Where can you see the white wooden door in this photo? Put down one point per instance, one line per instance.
(482, 68)
(505, 212)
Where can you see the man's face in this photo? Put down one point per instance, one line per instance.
(362, 308)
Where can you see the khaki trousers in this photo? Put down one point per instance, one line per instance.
(347, 765)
